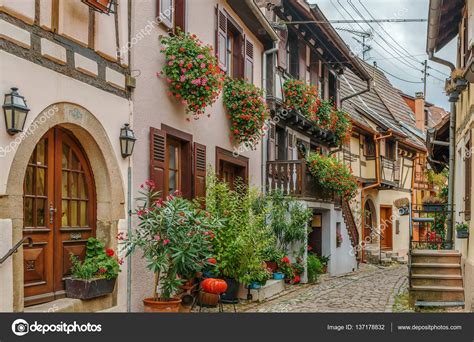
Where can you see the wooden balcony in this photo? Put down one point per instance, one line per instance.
(389, 172)
(293, 178)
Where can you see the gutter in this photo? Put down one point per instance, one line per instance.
(262, 19)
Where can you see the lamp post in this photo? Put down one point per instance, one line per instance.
(127, 143)
(16, 111)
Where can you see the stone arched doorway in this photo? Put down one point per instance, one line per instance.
(59, 213)
(106, 166)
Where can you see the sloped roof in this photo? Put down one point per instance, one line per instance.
(383, 105)
(436, 115)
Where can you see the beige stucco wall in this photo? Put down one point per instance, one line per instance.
(153, 107)
(95, 117)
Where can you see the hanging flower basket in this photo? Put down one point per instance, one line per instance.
(332, 175)
(246, 109)
(192, 72)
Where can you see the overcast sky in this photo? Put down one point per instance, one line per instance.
(392, 42)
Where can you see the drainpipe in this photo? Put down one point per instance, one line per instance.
(369, 87)
(267, 53)
(452, 132)
(377, 139)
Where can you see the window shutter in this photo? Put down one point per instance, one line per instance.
(291, 146)
(165, 12)
(271, 142)
(249, 51)
(221, 39)
(180, 14)
(158, 158)
(199, 170)
(282, 52)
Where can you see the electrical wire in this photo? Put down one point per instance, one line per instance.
(398, 78)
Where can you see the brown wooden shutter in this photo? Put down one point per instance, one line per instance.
(249, 51)
(221, 37)
(282, 52)
(199, 170)
(468, 179)
(180, 14)
(271, 142)
(158, 158)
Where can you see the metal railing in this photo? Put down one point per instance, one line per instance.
(15, 248)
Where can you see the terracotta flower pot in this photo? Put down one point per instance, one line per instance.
(208, 299)
(271, 265)
(171, 305)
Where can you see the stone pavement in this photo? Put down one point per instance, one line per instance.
(370, 289)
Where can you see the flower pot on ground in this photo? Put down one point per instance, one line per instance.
(231, 295)
(278, 276)
(175, 238)
(95, 276)
(462, 231)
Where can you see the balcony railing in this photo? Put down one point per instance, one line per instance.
(293, 178)
(389, 170)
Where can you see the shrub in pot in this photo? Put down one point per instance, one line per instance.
(175, 237)
(96, 275)
(324, 262)
(315, 267)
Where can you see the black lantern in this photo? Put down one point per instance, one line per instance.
(127, 141)
(102, 6)
(15, 110)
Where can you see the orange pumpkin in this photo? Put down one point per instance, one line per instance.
(216, 286)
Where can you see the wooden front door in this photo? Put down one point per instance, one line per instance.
(386, 228)
(315, 238)
(59, 213)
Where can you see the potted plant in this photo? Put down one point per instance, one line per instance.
(285, 268)
(314, 266)
(175, 237)
(324, 262)
(462, 231)
(271, 256)
(452, 92)
(96, 275)
(433, 204)
(402, 204)
(458, 78)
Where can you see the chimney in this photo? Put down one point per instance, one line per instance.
(420, 111)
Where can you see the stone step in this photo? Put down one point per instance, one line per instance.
(436, 294)
(437, 259)
(436, 280)
(428, 268)
(421, 303)
(399, 259)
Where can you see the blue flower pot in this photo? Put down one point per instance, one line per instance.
(254, 285)
(278, 276)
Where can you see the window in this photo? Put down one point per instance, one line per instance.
(390, 150)
(294, 60)
(177, 164)
(172, 13)
(230, 168)
(369, 146)
(332, 87)
(281, 144)
(235, 51)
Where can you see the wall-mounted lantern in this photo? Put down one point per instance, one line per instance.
(16, 111)
(127, 141)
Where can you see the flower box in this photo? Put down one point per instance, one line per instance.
(433, 208)
(461, 84)
(102, 6)
(462, 234)
(88, 289)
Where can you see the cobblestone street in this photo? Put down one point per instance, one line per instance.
(370, 289)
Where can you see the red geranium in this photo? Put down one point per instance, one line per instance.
(212, 261)
(110, 252)
(286, 260)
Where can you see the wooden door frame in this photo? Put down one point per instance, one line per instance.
(390, 247)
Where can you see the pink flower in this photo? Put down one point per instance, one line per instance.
(157, 238)
(203, 65)
(182, 78)
(200, 56)
(165, 242)
(170, 63)
(197, 81)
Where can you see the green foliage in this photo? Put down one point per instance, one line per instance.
(314, 267)
(98, 263)
(175, 237)
(288, 219)
(461, 227)
(332, 175)
(192, 71)
(247, 110)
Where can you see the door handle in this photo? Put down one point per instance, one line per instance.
(52, 211)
